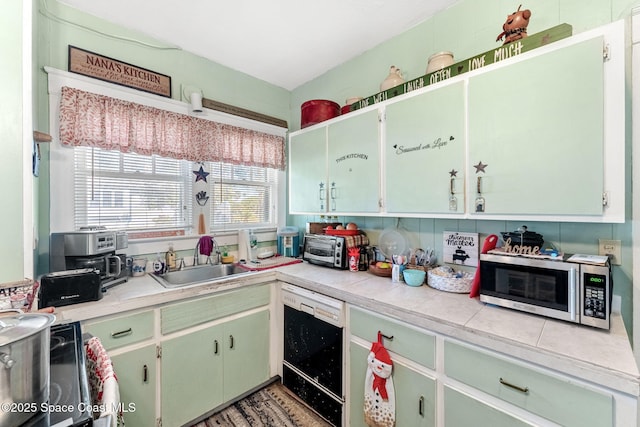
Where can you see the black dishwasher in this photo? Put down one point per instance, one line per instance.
(313, 366)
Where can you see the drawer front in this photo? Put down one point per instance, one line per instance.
(407, 342)
(176, 317)
(461, 410)
(122, 331)
(548, 396)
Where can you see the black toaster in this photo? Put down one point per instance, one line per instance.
(69, 287)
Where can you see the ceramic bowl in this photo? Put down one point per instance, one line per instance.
(413, 277)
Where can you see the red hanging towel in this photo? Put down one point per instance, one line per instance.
(206, 245)
(379, 393)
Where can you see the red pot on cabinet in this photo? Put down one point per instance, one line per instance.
(318, 110)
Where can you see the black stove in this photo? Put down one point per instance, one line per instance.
(69, 399)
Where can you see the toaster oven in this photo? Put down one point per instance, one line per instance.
(322, 249)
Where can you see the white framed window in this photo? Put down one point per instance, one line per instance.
(62, 182)
(243, 196)
(132, 192)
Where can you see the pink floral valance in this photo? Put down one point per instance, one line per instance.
(93, 120)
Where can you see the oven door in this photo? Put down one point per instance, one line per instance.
(548, 288)
(69, 392)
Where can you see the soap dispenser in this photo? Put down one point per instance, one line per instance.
(170, 259)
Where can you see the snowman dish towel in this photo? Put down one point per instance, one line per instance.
(379, 395)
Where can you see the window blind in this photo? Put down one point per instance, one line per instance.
(145, 193)
(130, 191)
(243, 196)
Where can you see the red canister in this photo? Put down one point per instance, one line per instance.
(318, 110)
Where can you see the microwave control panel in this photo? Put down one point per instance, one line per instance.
(595, 296)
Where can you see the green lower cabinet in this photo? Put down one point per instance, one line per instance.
(461, 410)
(192, 375)
(136, 371)
(545, 394)
(415, 393)
(246, 354)
(205, 368)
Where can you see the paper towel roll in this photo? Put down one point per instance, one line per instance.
(243, 245)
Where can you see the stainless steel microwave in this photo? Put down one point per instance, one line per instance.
(575, 292)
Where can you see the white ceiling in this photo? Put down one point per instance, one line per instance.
(284, 42)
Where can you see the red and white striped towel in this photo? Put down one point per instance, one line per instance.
(103, 382)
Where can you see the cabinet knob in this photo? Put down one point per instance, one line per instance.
(215, 346)
(421, 406)
(145, 374)
(230, 341)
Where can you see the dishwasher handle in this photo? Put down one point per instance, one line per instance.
(307, 309)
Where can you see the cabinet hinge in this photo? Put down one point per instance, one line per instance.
(605, 52)
(158, 422)
(605, 199)
(158, 352)
(381, 116)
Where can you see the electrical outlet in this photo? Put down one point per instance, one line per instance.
(613, 248)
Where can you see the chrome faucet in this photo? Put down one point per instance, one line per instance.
(216, 250)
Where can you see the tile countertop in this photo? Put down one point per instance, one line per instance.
(594, 355)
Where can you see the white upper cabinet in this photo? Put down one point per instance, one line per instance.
(308, 171)
(539, 136)
(424, 151)
(335, 168)
(354, 164)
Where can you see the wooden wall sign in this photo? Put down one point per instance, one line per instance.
(501, 53)
(110, 70)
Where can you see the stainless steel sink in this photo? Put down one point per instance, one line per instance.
(198, 274)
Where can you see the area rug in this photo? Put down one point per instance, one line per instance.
(272, 406)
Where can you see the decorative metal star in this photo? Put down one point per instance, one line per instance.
(453, 173)
(480, 167)
(201, 175)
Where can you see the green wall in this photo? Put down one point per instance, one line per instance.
(466, 29)
(11, 137)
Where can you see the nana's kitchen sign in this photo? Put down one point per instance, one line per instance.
(111, 70)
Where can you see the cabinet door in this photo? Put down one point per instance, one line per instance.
(424, 152)
(461, 410)
(308, 172)
(538, 127)
(415, 393)
(354, 164)
(136, 371)
(246, 353)
(192, 375)
(357, 371)
(415, 397)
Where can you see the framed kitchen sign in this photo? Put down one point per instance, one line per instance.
(111, 70)
(460, 248)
